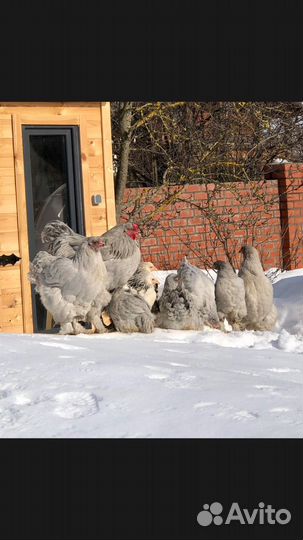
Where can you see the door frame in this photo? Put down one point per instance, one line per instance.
(74, 173)
(74, 185)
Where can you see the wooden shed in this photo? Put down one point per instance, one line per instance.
(55, 163)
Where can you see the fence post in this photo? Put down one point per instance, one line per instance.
(290, 185)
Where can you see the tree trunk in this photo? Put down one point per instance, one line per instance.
(122, 173)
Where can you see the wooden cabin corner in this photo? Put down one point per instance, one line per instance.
(55, 158)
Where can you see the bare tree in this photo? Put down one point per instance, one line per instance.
(125, 113)
(177, 142)
(163, 146)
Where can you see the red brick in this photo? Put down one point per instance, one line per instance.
(298, 220)
(168, 240)
(158, 233)
(149, 208)
(186, 213)
(298, 204)
(175, 247)
(295, 174)
(170, 232)
(195, 238)
(198, 212)
(181, 205)
(201, 196)
(149, 242)
(155, 249)
(165, 223)
(193, 188)
(195, 221)
(190, 230)
(179, 222)
(293, 213)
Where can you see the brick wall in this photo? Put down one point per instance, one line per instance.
(196, 220)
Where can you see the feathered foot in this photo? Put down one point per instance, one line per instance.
(106, 318)
(145, 324)
(66, 328)
(80, 329)
(98, 325)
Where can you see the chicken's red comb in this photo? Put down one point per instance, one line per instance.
(135, 226)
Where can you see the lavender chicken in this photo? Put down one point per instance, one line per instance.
(120, 253)
(129, 312)
(73, 288)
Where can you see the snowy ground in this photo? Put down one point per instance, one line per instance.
(169, 384)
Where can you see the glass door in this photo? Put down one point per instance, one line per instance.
(53, 188)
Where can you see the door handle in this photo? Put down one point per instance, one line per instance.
(96, 200)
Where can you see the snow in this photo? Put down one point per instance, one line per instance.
(168, 384)
(289, 300)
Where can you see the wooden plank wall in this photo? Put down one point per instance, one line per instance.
(11, 316)
(93, 120)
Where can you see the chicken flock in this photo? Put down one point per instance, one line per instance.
(101, 284)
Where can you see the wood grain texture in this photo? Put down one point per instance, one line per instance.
(8, 203)
(22, 224)
(11, 316)
(9, 278)
(94, 147)
(108, 164)
(11, 312)
(15, 329)
(11, 298)
(8, 222)
(6, 147)
(93, 128)
(85, 175)
(9, 243)
(6, 128)
(7, 185)
(6, 162)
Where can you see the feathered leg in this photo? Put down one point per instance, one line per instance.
(66, 328)
(145, 324)
(94, 318)
(79, 329)
(94, 314)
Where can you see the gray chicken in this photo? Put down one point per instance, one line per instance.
(261, 311)
(125, 309)
(176, 311)
(188, 300)
(129, 312)
(163, 306)
(230, 295)
(72, 289)
(60, 239)
(200, 291)
(120, 253)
